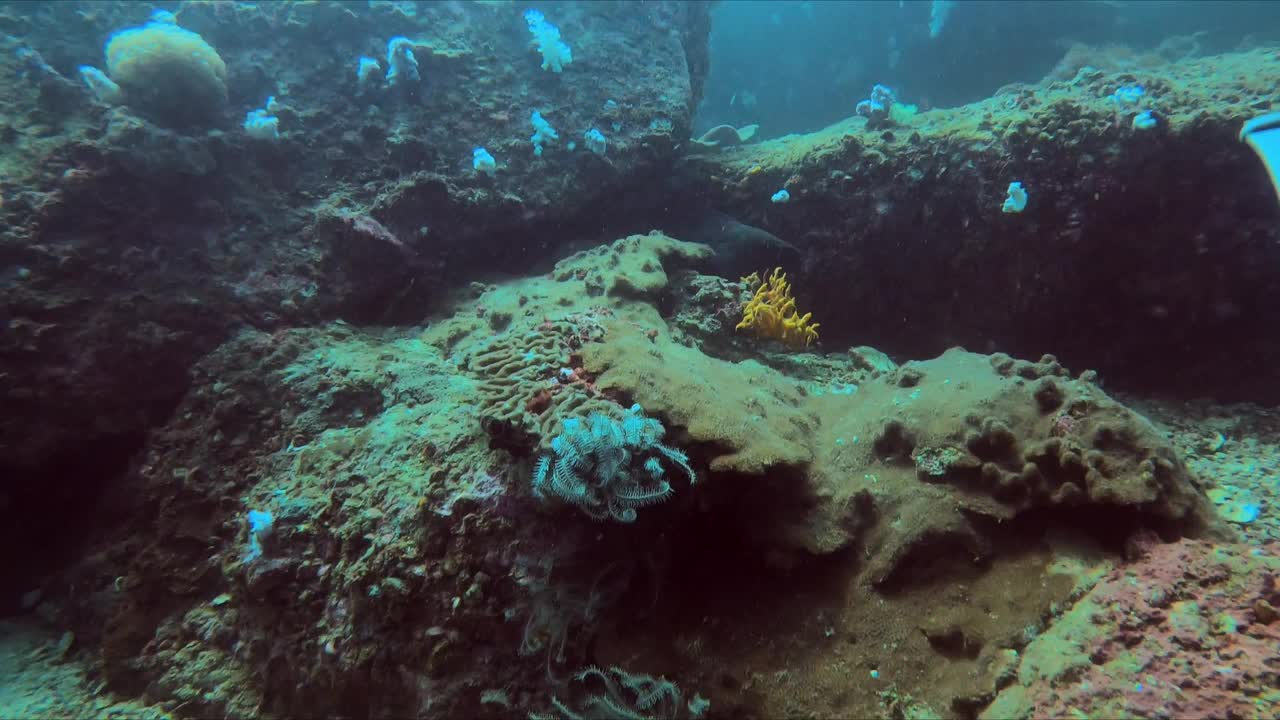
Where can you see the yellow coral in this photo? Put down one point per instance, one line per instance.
(771, 312)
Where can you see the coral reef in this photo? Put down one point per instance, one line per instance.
(373, 455)
(339, 436)
(858, 493)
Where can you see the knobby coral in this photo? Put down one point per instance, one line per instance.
(772, 313)
(169, 72)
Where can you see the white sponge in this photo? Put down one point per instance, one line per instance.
(555, 53)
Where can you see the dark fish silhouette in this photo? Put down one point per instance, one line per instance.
(740, 248)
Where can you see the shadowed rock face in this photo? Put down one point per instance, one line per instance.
(1147, 254)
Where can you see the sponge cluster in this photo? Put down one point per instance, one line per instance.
(169, 73)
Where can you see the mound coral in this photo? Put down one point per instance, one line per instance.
(772, 313)
(169, 73)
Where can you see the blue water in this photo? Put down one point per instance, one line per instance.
(793, 66)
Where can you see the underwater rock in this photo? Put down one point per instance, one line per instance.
(899, 433)
(906, 227)
(396, 464)
(343, 434)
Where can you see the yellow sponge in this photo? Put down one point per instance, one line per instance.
(169, 73)
(772, 313)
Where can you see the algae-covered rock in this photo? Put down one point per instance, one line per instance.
(934, 443)
(963, 436)
(1182, 610)
(902, 227)
(751, 417)
(366, 208)
(396, 467)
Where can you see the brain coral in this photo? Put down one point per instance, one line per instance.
(169, 73)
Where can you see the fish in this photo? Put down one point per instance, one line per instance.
(1263, 135)
(740, 248)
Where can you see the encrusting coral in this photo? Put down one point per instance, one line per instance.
(772, 313)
